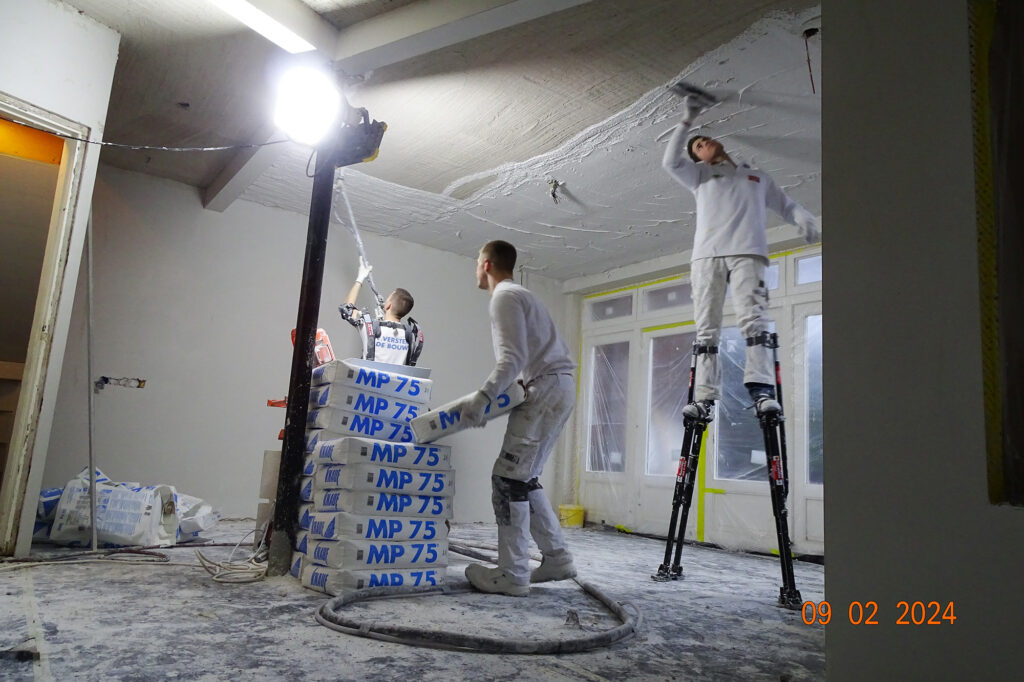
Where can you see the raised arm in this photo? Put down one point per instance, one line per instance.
(677, 161)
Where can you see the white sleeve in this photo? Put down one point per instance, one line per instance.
(508, 325)
(792, 212)
(677, 161)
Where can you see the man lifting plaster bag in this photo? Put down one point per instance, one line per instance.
(527, 345)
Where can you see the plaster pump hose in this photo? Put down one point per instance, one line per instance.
(329, 616)
(359, 244)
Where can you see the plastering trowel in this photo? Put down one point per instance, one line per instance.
(686, 89)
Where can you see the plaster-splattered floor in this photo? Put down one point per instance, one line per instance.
(132, 622)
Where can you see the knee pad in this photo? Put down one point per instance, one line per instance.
(511, 490)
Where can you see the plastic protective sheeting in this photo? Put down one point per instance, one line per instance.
(670, 380)
(740, 441)
(606, 446)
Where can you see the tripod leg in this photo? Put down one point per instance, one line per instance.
(789, 596)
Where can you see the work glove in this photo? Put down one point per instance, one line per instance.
(364, 270)
(809, 228)
(692, 108)
(472, 409)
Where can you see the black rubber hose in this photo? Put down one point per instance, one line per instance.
(329, 616)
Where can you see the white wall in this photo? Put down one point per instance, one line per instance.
(200, 304)
(907, 515)
(60, 61)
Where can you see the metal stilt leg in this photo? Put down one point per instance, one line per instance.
(773, 426)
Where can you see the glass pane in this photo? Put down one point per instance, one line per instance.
(670, 381)
(808, 269)
(611, 308)
(771, 277)
(606, 446)
(815, 414)
(667, 297)
(740, 442)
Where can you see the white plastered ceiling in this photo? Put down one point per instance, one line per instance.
(479, 129)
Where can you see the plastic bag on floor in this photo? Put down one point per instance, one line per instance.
(194, 516)
(125, 516)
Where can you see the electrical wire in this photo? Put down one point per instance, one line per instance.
(139, 147)
(251, 570)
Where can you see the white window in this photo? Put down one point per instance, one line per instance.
(659, 299)
(669, 381)
(808, 269)
(606, 443)
(740, 442)
(611, 308)
(815, 414)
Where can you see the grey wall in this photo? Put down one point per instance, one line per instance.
(907, 516)
(201, 304)
(26, 202)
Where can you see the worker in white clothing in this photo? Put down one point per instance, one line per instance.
(527, 347)
(730, 247)
(389, 339)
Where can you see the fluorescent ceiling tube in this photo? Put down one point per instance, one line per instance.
(265, 25)
(307, 107)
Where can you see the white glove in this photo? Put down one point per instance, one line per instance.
(809, 229)
(472, 409)
(364, 270)
(692, 108)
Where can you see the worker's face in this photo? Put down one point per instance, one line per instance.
(707, 149)
(481, 272)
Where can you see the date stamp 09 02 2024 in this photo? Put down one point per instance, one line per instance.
(866, 613)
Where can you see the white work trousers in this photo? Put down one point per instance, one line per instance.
(709, 278)
(533, 427)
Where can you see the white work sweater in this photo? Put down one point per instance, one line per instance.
(731, 202)
(526, 342)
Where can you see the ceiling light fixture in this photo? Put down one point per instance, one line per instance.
(308, 102)
(264, 24)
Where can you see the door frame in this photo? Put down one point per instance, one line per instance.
(41, 379)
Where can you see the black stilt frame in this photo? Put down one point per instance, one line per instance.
(773, 428)
(689, 457)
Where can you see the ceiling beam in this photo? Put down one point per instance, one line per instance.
(423, 27)
(388, 38)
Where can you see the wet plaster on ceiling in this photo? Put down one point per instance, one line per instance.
(616, 206)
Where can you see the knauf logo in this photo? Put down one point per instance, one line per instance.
(320, 553)
(327, 451)
(333, 475)
(331, 500)
(302, 544)
(307, 491)
(329, 532)
(318, 579)
(296, 567)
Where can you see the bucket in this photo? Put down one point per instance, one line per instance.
(570, 515)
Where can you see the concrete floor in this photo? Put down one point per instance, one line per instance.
(108, 621)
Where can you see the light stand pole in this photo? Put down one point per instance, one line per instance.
(293, 448)
(355, 142)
